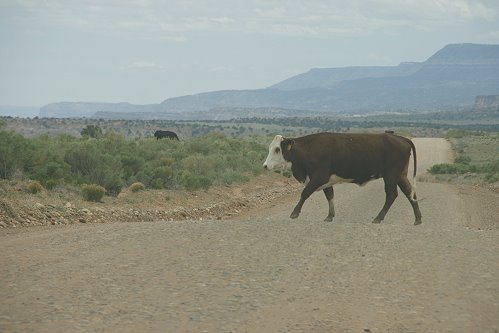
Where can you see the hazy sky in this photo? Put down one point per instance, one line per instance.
(145, 51)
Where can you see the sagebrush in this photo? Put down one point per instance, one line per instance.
(113, 162)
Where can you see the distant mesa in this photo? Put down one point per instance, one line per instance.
(452, 77)
(487, 103)
(88, 109)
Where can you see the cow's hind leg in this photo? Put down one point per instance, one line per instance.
(407, 188)
(391, 195)
(329, 192)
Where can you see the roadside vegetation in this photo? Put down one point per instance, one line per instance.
(108, 160)
(477, 158)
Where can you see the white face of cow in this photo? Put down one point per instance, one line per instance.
(275, 158)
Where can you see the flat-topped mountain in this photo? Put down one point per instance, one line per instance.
(452, 77)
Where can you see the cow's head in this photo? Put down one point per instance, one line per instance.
(278, 151)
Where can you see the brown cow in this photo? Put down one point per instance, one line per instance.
(324, 159)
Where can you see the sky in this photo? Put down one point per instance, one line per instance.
(146, 51)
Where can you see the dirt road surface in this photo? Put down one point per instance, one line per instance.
(264, 272)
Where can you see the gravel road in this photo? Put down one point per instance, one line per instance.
(264, 272)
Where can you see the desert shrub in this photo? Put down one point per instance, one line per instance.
(199, 164)
(442, 168)
(229, 176)
(492, 177)
(167, 161)
(50, 173)
(112, 182)
(194, 182)
(90, 165)
(145, 175)
(157, 183)
(83, 160)
(156, 177)
(46, 162)
(463, 165)
(491, 171)
(34, 187)
(136, 187)
(14, 152)
(461, 133)
(111, 160)
(163, 172)
(162, 177)
(131, 165)
(91, 131)
(490, 167)
(198, 146)
(50, 184)
(93, 192)
(462, 159)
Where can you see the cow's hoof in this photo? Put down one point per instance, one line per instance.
(328, 219)
(377, 221)
(418, 222)
(294, 215)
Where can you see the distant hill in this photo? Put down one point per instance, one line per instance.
(88, 109)
(329, 77)
(452, 77)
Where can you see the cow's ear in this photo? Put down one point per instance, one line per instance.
(287, 144)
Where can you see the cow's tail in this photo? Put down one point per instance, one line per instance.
(413, 190)
(413, 147)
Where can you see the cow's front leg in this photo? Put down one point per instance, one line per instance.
(328, 191)
(310, 188)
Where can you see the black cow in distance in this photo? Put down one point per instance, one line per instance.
(166, 134)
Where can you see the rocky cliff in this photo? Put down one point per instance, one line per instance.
(487, 103)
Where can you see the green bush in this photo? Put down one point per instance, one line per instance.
(136, 187)
(461, 133)
(14, 153)
(34, 187)
(167, 161)
(83, 160)
(194, 182)
(50, 184)
(157, 183)
(463, 165)
(90, 164)
(492, 177)
(91, 131)
(231, 176)
(456, 168)
(131, 165)
(462, 159)
(93, 192)
(111, 161)
(199, 164)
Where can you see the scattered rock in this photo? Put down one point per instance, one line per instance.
(217, 203)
